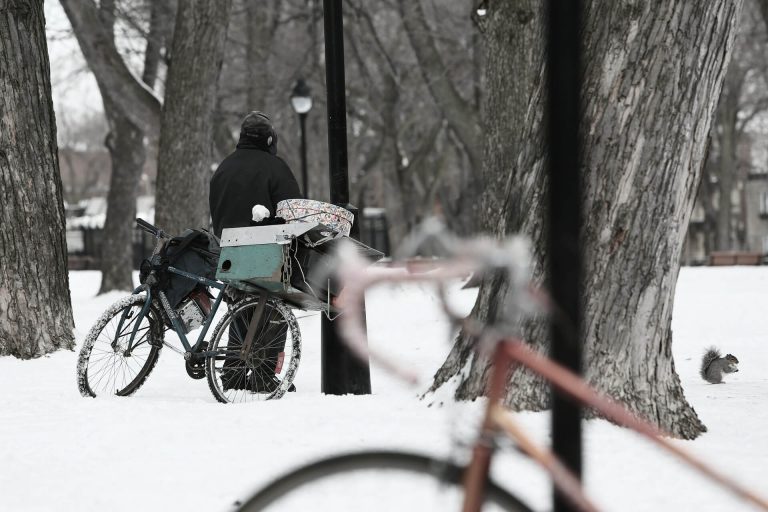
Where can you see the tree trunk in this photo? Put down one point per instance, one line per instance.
(126, 148)
(513, 171)
(35, 308)
(723, 230)
(705, 194)
(223, 141)
(726, 117)
(161, 18)
(652, 76)
(396, 193)
(186, 135)
(125, 143)
(257, 51)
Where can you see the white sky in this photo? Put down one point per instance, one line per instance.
(75, 92)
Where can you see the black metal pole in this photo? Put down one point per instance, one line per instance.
(304, 182)
(337, 102)
(565, 259)
(341, 371)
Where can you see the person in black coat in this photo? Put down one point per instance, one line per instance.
(252, 175)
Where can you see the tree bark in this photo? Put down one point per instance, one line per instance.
(184, 159)
(35, 308)
(652, 75)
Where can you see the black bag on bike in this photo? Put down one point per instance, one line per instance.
(195, 251)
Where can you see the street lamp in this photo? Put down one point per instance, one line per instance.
(301, 101)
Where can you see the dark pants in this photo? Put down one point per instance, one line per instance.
(257, 370)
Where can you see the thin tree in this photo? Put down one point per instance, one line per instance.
(653, 73)
(185, 154)
(35, 308)
(133, 113)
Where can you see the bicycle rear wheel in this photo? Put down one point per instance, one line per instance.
(106, 365)
(373, 481)
(267, 370)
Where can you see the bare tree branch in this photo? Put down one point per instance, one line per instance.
(126, 91)
(461, 117)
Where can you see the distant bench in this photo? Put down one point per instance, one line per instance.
(735, 258)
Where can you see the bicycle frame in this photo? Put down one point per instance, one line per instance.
(191, 351)
(497, 420)
(506, 356)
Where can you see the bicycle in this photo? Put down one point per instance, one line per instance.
(469, 485)
(253, 354)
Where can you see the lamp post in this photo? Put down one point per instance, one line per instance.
(342, 371)
(565, 258)
(301, 101)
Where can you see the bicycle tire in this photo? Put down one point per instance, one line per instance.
(111, 370)
(277, 320)
(442, 472)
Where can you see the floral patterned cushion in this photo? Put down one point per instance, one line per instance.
(308, 210)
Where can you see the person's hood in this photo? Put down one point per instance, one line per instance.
(257, 132)
(247, 142)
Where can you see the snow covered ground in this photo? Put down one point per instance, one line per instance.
(173, 447)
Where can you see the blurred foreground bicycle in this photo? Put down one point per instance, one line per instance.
(425, 483)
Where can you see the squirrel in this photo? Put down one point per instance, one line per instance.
(713, 365)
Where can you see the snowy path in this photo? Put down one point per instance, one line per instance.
(172, 447)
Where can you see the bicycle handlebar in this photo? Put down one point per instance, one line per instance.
(484, 255)
(465, 257)
(149, 228)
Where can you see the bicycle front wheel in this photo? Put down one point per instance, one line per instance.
(375, 481)
(262, 370)
(110, 363)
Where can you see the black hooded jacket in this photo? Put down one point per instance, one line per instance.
(247, 177)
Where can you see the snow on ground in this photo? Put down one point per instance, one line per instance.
(173, 447)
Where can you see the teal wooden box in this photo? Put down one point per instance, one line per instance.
(259, 264)
(254, 258)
